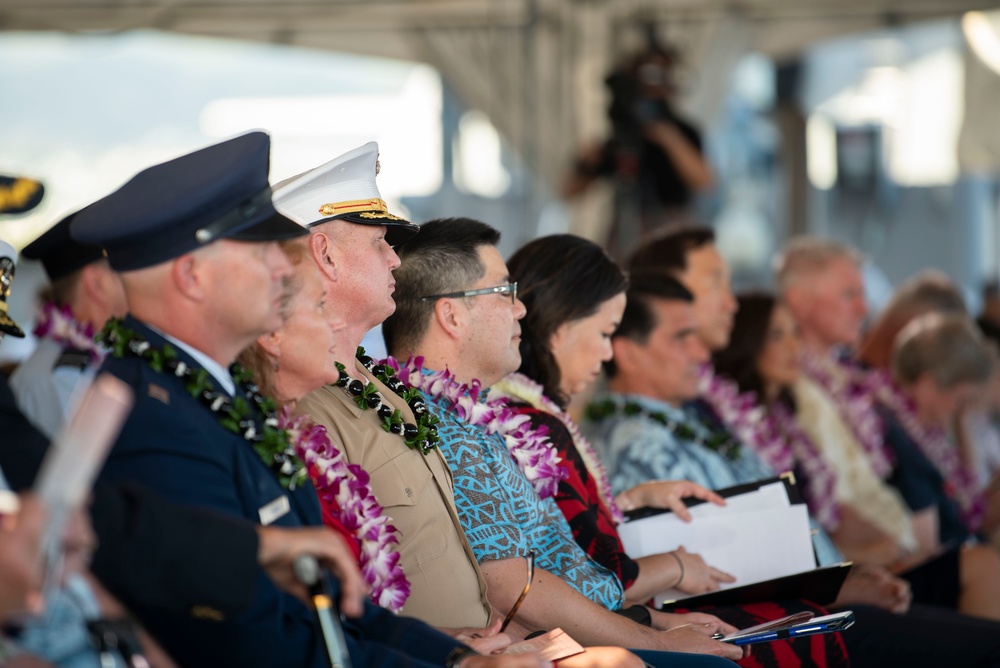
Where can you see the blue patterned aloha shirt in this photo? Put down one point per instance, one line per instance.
(503, 517)
(638, 449)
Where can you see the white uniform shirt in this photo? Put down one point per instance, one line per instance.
(43, 390)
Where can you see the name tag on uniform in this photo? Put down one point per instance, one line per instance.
(274, 510)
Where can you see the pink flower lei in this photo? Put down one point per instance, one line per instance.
(961, 482)
(346, 486)
(778, 440)
(518, 386)
(57, 323)
(847, 385)
(528, 446)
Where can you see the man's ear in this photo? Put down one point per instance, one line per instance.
(91, 281)
(102, 287)
(796, 297)
(186, 275)
(321, 247)
(626, 354)
(449, 318)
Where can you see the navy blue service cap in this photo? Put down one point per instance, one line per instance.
(165, 211)
(59, 254)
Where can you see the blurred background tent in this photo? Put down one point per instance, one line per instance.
(869, 120)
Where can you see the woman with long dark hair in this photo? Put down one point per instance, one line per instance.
(575, 296)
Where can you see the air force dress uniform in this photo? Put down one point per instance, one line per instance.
(174, 443)
(45, 382)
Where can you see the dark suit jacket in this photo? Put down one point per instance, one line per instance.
(175, 445)
(145, 543)
(22, 446)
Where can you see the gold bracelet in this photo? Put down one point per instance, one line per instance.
(680, 564)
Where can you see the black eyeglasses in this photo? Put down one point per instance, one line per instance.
(520, 599)
(509, 289)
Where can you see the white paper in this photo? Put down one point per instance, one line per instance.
(551, 646)
(752, 545)
(764, 497)
(74, 460)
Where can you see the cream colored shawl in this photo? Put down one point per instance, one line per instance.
(857, 485)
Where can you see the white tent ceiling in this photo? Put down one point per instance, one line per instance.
(534, 66)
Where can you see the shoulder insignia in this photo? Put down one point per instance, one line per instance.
(159, 393)
(207, 612)
(76, 359)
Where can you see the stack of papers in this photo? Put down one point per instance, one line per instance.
(757, 536)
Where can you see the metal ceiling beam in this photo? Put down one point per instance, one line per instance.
(230, 17)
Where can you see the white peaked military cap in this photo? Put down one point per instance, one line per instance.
(342, 189)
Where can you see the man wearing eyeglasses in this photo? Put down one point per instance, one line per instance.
(475, 334)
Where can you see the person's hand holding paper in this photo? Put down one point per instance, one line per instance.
(666, 494)
(68, 473)
(698, 577)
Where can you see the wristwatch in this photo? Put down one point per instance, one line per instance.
(457, 655)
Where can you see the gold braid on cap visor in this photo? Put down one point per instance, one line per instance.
(354, 206)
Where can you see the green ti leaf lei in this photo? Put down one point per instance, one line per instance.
(423, 435)
(716, 441)
(249, 414)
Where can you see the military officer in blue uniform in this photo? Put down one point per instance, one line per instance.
(146, 544)
(83, 293)
(194, 241)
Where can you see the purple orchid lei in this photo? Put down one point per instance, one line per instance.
(344, 491)
(848, 386)
(520, 387)
(960, 480)
(776, 437)
(528, 446)
(57, 323)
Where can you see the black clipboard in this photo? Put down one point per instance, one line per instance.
(788, 478)
(820, 585)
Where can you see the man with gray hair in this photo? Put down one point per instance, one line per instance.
(352, 238)
(821, 282)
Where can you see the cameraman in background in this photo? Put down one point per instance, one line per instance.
(654, 156)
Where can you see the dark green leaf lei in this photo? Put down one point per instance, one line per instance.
(240, 415)
(423, 435)
(716, 441)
